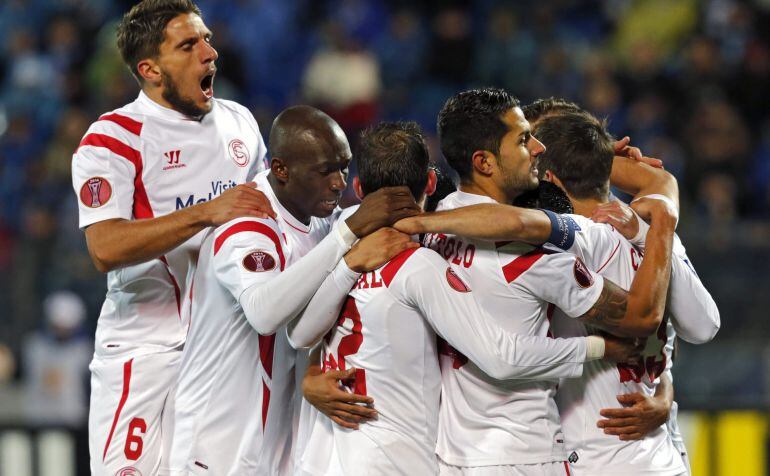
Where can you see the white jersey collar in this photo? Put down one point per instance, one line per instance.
(465, 198)
(155, 109)
(283, 214)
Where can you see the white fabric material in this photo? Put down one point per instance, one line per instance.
(538, 469)
(517, 421)
(142, 385)
(231, 378)
(580, 400)
(182, 162)
(387, 330)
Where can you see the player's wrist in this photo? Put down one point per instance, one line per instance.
(595, 347)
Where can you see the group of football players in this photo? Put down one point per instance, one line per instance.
(527, 326)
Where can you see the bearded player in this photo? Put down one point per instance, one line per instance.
(149, 177)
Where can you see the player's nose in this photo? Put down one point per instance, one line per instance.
(536, 147)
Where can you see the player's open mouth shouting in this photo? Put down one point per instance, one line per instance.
(207, 83)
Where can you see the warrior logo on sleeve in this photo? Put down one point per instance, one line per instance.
(95, 192)
(258, 261)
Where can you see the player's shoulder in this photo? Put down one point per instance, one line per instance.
(236, 109)
(415, 261)
(124, 124)
(243, 228)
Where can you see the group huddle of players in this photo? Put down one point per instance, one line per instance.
(251, 326)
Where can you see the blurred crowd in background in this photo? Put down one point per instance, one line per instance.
(688, 81)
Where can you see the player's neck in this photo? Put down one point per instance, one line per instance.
(586, 206)
(485, 188)
(285, 199)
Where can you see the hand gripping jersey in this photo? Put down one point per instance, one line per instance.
(484, 421)
(143, 161)
(235, 404)
(580, 400)
(388, 329)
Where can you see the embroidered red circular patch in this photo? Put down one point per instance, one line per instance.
(258, 261)
(582, 275)
(95, 192)
(455, 282)
(128, 471)
(238, 152)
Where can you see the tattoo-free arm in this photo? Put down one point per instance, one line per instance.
(486, 221)
(639, 179)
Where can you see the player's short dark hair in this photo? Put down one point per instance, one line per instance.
(548, 196)
(548, 106)
(392, 154)
(472, 121)
(142, 29)
(579, 151)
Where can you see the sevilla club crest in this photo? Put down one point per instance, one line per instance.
(258, 260)
(95, 192)
(128, 471)
(238, 152)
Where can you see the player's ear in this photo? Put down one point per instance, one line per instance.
(149, 71)
(279, 169)
(483, 162)
(357, 188)
(430, 187)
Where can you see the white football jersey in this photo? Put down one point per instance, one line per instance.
(591, 452)
(143, 161)
(484, 421)
(387, 330)
(235, 399)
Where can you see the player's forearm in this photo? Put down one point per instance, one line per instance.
(323, 309)
(664, 392)
(268, 306)
(647, 295)
(638, 179)
(116, 243)
(489, 222)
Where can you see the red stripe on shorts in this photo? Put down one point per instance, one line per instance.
(123, 398)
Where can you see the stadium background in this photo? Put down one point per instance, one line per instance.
(689, 81)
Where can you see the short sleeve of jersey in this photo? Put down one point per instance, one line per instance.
(594, 242)
(562, 279)
(247, 252)
(104, 168)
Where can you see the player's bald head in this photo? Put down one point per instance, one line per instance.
(301, 131)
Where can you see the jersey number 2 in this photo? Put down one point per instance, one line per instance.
(349, 344)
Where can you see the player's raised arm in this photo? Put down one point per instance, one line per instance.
(639, 179)
(638, 312)
(119, 242)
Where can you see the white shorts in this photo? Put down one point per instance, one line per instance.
(560, 468)
(129, 413)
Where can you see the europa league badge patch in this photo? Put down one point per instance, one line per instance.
(258, 261)
(95, 192)
(582, 275)
(455, 282)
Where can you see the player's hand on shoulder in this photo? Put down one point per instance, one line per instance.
(322, 390)
(619, 215)
(641, 414)
(622, 349)
(240, 201)
(382, 208)
(378, 248)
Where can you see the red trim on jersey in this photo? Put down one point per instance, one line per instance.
(608, 259)
(549, 316)
(123, 398)
(265, 403)
(142, 208)
(266, 349)
(520, 264)
(566, 468)
(254, 226)
(177, 291)
(388, 272)
(131, 125)
(298, 229)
